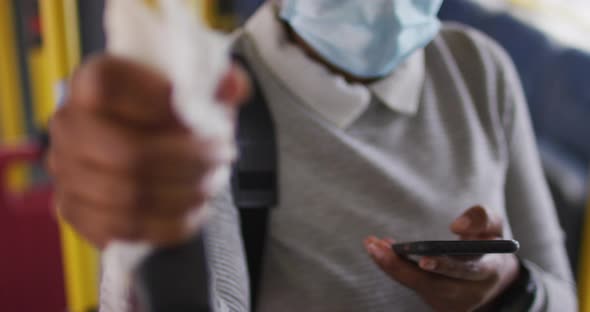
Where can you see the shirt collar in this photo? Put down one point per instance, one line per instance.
(327, 93)
(401, 91)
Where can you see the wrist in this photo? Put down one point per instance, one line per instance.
(510, 272)
(519, 295)
(514, 272)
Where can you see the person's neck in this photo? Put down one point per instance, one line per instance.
(299, 41)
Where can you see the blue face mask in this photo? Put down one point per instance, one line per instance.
(366, 38)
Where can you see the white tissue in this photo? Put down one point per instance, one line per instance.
(119, 261)
(176, 42)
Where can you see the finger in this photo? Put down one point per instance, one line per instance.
(234, 87)
(471, 270)
(172, 230)
(166, 156)
(117, 194)
(389, 240)
(98, 228)
(161, 188)
(478, 222)
(122, 90)
(100, 225)
(399, 269)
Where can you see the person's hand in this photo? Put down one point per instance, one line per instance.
(124, 166)
(453, 284)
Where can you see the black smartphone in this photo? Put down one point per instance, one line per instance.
(456, 248)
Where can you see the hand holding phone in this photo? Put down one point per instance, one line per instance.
(477, 271)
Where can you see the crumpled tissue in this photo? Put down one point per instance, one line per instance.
(174, 40)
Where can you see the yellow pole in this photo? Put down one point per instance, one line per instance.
(72, 35)
(52, 18)
(81, 271)
(10, 96)
(40, 86)
(11, 103)
(61, 54)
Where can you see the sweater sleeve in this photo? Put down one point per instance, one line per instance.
(228, 277)
(226, 257)
(529, 205)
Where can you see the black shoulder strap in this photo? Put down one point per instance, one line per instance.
(254, 179)
(174, 279)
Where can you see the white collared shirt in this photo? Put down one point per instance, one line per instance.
(329, 94)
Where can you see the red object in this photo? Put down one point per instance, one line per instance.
(31, 273)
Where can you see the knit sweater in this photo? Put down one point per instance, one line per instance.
(389, 171)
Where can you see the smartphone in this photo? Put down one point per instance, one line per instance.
(456, 248)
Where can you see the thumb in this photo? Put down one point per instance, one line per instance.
(478, 222)
(122, 90)
(235, 87)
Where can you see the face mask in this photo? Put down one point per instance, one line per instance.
(366, 38)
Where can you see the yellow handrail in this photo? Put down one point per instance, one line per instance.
(55, 55)
(10, 96)
(11, 103)
(61, 53)
(72, 35)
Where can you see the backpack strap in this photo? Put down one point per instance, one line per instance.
(174, 279)
(255, 192)
(254, 178)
